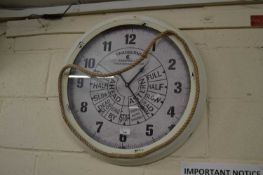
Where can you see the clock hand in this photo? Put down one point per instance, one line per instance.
(126, 84)
(133, 78)
(136, 99)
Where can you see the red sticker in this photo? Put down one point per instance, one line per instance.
(256, 20)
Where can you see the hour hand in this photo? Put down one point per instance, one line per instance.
(133, 78)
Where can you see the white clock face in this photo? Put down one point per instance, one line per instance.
(136, 108)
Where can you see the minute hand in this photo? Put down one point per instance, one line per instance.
(136, 99)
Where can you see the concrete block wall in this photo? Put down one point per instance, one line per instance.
(35, 141)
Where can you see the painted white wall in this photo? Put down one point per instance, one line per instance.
(34, 139)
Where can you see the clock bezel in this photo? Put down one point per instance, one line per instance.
(188, 122)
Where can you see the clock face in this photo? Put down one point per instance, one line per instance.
(139, 107)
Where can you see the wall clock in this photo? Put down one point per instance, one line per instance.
(145, 113)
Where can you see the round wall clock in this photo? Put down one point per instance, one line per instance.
(140, 115)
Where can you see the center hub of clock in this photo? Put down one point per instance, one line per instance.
(126, 89)
(123, 88)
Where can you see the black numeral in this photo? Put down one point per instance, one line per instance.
(178, 88)
(84, 107)
(123, 138)
(171, 111)
(172, 64)
(154, 47)
(107, 46)
(149, 130)
(89, 62)
(80, 82)
(99, 126)
(130, 39)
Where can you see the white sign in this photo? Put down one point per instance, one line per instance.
(220, 169)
